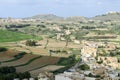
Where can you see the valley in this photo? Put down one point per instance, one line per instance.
(48, 43)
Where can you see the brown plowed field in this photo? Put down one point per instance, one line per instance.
(46, 60)
(22, 60)
(7, 55)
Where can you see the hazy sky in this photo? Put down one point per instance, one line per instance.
(65, 8)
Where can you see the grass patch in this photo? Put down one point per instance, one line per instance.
(67, 61)
(10, 36)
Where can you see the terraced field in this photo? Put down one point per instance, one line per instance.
(48, 68)
(29, 62)
(38, 63)
(22, 60)
(7, 55)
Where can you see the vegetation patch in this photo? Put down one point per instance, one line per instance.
(84, 67)
(10, 36)
(2, 49)
(70, 61)
(9, 73)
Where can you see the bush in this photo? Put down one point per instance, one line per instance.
(68, 61)
(19, 55)
(100, 62)
(118, 74)
(118, 60)
(6, 70)
(9, 73)
(3, 49)
(31, 43)
(84, 67)
(90, 75)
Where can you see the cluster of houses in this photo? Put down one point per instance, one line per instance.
(104, 71)
(17, 20)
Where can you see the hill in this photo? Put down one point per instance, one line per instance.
(104, 17)
(108, 17)
(77, 18)
(46, 17)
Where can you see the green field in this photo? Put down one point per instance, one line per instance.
(10, 36)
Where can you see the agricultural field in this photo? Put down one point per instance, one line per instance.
(7, 55)
(40, 50)
(48, 68)
(22, 60)
(56, 45)
(38, 63)
(28, 62)
(10, 36)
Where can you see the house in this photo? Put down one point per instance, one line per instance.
(76, 41)
(45, 76)
(62, 77)
(69, 76)
(99, 71)
(87, 50)
(16, 79)
(67, 32)
(90, 78)
(31, 79)
(110, 61)
(110, 46)
(59, 35)
(25, 79)
(72, 38)
(87, 72)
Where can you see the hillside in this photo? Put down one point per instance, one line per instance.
(108, 17)
(77, 18)
(46, 17)
(104, 17)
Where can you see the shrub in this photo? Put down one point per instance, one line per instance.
(19, 55)
(3, 49)
(100, 62)
(31, 43)
(84, 67)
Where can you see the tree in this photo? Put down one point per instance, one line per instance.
(118, 60)
(26, 75)
(100, 62)
(31, 43)
(46, 44)
(6, 70)
(118, 74)
(67, 40)
(90, 75)
(9, 73)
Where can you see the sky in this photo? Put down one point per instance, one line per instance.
(63, 8)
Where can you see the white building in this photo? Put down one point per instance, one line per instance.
(69, 76)
(90, 78)
(45, 76)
